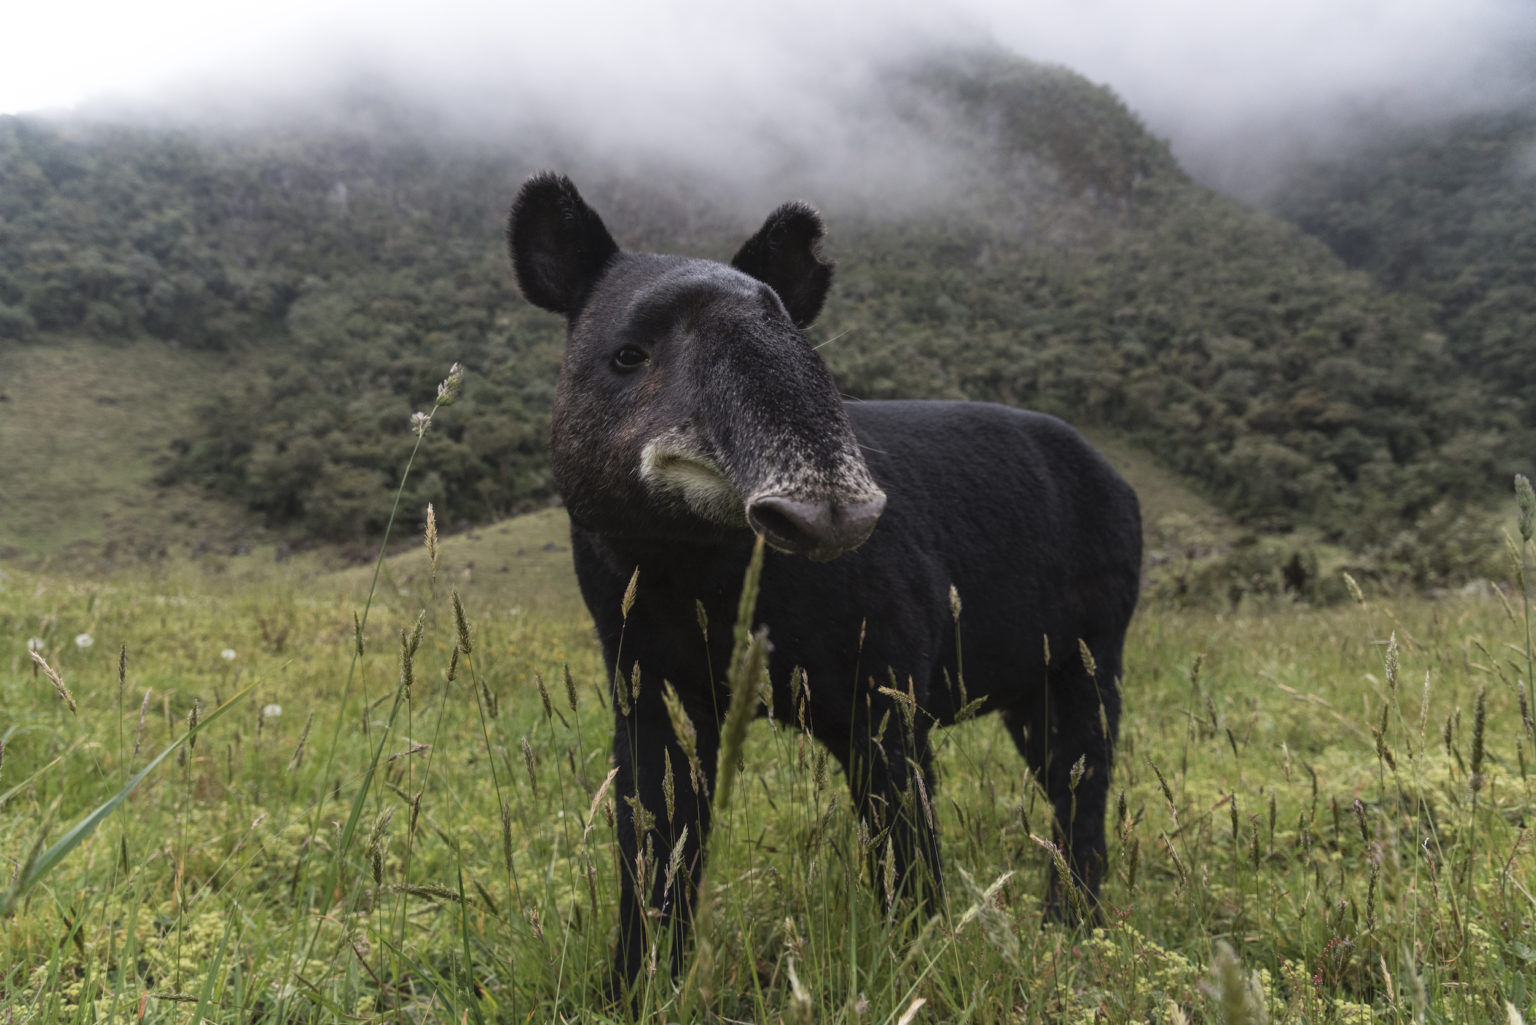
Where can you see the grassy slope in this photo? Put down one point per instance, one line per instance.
(1258, 808)
(83, 428)
(86, 425)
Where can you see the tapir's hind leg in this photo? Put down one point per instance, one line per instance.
(1067, 735)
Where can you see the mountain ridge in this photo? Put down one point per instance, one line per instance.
(1061, 260)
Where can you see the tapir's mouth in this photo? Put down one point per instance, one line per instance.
(818, 529)
(694, 479)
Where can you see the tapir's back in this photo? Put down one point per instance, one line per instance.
(1036, 531)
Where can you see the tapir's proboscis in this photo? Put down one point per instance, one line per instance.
(693, 414)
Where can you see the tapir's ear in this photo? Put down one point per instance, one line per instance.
(558, 243)
(785, 255)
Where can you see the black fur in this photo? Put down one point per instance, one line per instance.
(786, 255)
(1032, 529)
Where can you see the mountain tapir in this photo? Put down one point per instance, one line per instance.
(927, 559)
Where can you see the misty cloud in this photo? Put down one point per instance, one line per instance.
(1237, 88)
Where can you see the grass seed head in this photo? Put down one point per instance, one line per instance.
(888, 874)
(1087, 656)
(407, 663)
(597, 802)
(533, 779)
(1162, 785)
(448, 388)
(378, 843)
(506, 835)
(489, 699)
(910, 1014)
(193, 715)
(54, 678)
(570, 686)
(1391, 662)
(549, 709)
(675, 861)
(462, 624)
(628, 601)
(1241, 998)
(298, 752)
(1479, 724)
(1354, 589)
(641, 818)
(668, 784)
(431, 535)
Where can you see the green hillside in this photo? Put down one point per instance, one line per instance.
(1068, 264)
(1446, 214)
(85, 426)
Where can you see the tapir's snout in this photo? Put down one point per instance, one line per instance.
(820, 530)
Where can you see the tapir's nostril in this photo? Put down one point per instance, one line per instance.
(820, 530)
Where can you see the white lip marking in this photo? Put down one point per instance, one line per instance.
(694, 480)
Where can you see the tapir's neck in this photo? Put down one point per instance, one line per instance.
(689, 568)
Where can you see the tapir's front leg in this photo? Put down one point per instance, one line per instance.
(662, 796)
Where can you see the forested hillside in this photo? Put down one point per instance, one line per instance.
(1446, 214)
(1068, 265)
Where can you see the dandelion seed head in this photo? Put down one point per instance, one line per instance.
(271, 711)
(228, 654)
(83, 641)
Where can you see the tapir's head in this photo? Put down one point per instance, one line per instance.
(691, 405)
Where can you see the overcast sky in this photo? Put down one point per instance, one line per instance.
(1216, 77)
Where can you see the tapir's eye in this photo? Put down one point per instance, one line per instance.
(630, 357)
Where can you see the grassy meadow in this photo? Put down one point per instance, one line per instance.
(385, 810)
(84, 434)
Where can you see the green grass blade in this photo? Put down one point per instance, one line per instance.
(50, 858)
(205, 1001)
(19, 787)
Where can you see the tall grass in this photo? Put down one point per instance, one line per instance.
(1318, 815)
